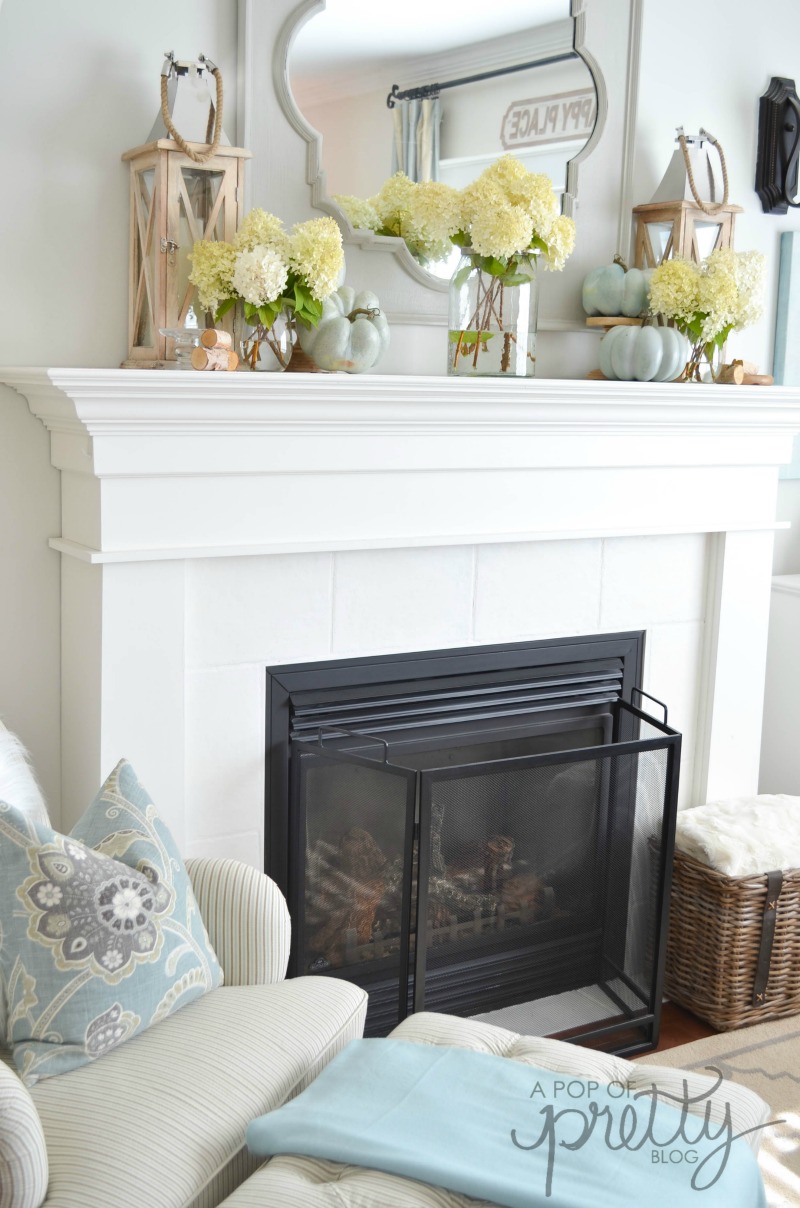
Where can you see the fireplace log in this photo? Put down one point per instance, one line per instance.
(356, 915)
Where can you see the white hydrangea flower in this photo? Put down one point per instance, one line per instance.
(260, 275)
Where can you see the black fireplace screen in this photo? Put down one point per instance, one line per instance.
(515, 874)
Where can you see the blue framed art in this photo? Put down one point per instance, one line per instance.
(786, 365)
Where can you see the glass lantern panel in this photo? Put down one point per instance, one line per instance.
(204, 219)
(706, 236)
(145, 252)
(661, 238)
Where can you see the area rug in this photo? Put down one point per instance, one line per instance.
(765, 1058)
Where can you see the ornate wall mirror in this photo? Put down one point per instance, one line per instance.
(513, 78)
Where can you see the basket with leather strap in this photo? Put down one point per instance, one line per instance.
(733, 954)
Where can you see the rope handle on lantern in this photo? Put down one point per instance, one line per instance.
(705, 206)
(214, 112)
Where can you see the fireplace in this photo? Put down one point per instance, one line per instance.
(485, 832)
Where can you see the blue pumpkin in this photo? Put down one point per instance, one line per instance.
(614, 289)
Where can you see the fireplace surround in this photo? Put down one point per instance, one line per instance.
(216, 524)
(478, 831)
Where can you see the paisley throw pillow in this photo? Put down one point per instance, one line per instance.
(100, 935)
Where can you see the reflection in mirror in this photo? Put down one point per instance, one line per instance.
(534, 96)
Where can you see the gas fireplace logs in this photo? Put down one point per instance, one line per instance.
(355, 893)
(215, 351)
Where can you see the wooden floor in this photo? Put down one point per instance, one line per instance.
(680, 1027)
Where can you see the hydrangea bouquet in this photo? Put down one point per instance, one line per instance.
(507, 212)
(504, 223)
(510, 219)
(272, 272)
(708, 301)
(425, 214)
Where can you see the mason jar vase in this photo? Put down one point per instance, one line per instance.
(492, 316)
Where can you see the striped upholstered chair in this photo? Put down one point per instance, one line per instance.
(160, 1120)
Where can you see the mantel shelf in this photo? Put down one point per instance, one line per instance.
(168, 464)
(102, 401)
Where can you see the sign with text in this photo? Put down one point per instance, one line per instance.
(549, 119)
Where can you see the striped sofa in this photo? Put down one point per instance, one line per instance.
(160, 1121)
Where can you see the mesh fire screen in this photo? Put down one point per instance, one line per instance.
(501, 880)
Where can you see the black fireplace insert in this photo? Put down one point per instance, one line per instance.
(485, 832)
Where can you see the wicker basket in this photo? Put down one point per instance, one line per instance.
(733, 954)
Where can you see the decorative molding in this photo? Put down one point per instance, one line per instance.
(163, 465)
(104, 400)
(98, 557)
(128, 401)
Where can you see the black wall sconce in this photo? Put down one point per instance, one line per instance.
(778, 146)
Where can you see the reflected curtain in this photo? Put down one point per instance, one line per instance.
(415, 146)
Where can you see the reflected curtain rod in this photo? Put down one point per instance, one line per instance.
(432, 90)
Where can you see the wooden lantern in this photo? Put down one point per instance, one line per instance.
(184, 187)
(680, 228)
(174, 201)
(679, 221)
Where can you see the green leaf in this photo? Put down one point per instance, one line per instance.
(470, 338)
(695, 325)
(301, 295)
(225, 306)
(311, 313)
(495, 267)
(516, 279)
(461, 276)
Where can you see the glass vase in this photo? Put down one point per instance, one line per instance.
(704, 364)
(266, 350)
(492, 325)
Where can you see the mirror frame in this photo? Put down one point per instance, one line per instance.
(315, 173)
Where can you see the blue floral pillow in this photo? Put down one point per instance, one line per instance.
(100, 935)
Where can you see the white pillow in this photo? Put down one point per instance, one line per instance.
(743, 836)
(18, 785)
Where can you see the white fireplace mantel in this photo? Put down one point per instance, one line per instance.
(197, 465)
(416, 513)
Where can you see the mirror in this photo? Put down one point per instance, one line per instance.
(507, 79)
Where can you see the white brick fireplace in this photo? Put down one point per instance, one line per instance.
(216, 524)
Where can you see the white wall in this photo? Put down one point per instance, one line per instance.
(79, 84)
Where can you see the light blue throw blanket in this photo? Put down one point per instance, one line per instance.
(509, 1133)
